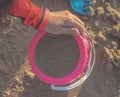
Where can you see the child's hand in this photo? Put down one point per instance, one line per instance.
(64, 22)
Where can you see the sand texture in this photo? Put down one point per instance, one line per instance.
(16, 76)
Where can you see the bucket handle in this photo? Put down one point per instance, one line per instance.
(79, 82)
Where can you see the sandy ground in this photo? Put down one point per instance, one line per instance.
(16, 76)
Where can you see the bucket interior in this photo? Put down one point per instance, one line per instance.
(57, 55)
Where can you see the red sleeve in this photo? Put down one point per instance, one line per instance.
(33, 15)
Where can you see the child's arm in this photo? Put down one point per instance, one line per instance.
(32, 15)
(62, 22)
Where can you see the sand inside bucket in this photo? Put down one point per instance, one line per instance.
(57, 55)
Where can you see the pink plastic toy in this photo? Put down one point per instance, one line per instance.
(83, 45)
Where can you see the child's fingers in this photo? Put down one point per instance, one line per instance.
(78, 20)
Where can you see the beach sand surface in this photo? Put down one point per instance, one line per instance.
(57, 56)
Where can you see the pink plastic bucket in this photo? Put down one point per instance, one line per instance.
(83, 45)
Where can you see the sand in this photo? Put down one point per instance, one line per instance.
(17, 78)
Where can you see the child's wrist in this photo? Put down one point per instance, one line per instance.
(43, 20)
